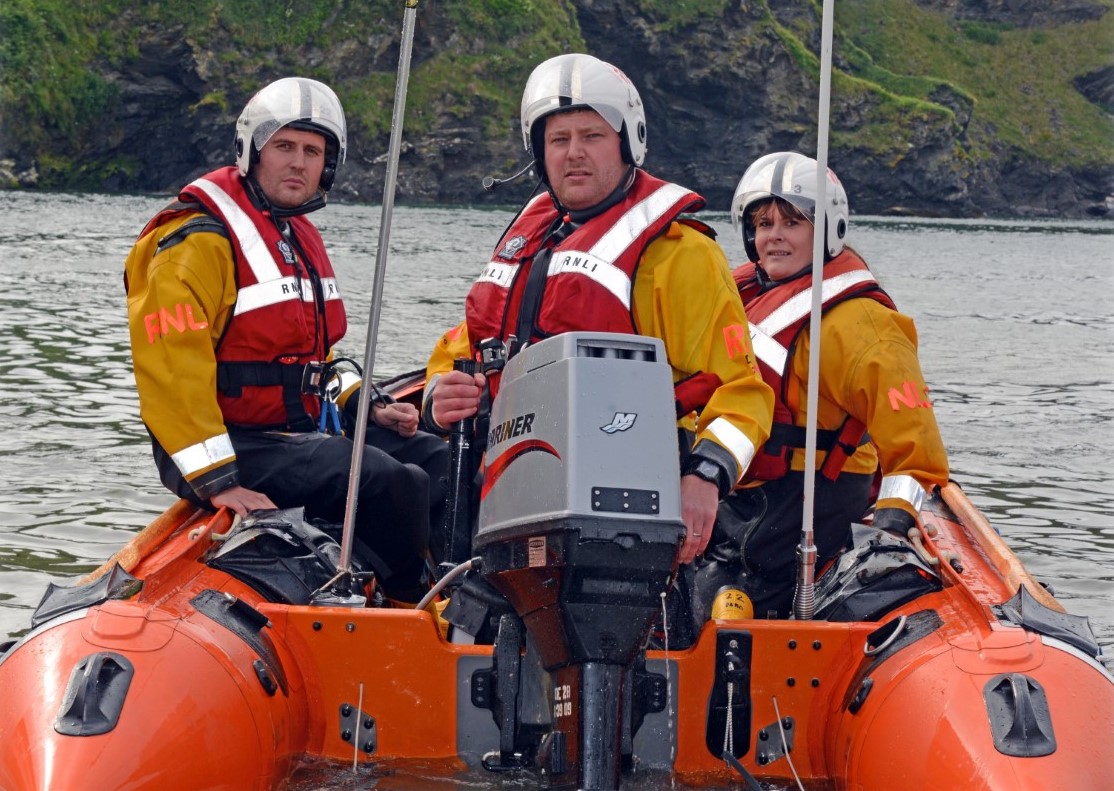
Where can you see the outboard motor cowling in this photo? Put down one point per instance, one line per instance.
(580, 523)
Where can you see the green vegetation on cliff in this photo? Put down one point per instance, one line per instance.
(901, 65)
(1019, 80)
(54, 97)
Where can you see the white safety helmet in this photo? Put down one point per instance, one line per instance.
(569, 82)
(792, 177)
(300, 103)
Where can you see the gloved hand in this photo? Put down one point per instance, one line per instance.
(894, 521)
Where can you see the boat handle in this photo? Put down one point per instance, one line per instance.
(215, 536)
(918, 545)
(899, 627)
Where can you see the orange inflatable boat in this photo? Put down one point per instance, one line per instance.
(203, 655)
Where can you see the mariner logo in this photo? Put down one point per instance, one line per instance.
(621, 422)
(512, 248)
(515, 427)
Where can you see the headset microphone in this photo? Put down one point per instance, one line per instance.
(490, 183)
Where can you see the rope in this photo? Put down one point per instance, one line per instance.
(785, 746)
(456, 571)
(356, 738)
(668, 677)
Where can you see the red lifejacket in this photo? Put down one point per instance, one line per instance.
(288, 308)
(590, 271)
(777, 317)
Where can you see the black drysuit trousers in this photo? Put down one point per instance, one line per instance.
(402, 489)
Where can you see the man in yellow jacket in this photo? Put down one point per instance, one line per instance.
(234, 311)
(608, 248)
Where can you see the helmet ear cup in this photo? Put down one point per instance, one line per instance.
(750, 244)
(750, 239)
(624, 146)
(537, 149)
(625, 138)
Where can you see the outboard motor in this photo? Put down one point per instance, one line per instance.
(580, 520)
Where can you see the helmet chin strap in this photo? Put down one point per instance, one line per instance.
(581, 216)
(263, 203)
(765, 282)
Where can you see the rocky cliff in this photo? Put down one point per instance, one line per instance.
(939, 107)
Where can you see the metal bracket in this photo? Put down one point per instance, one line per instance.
(358, 727)
(768, 747)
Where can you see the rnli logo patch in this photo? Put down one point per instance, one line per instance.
(286, 251)
(512, 248)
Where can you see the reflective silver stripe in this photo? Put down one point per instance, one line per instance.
(767, 349)
(348, 380)
(902, 487)
(272, 292)
(735, 441)
(636, 220)
(253, 247)
(498, 273)
(270, 287)
(329, 288)
(605, 273)
(284, 289)
(800, 305)
(204, 454)
(343, 384)
(597, 262)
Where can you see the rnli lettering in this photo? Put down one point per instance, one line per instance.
(737, 341)
(579, 262)
(911, 395)
(508, 429)
(499, 274)
(562, 701)
(163, 321)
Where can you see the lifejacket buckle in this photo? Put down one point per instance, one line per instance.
(493, 354)
(314, 380)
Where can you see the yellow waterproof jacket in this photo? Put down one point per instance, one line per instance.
(683, 294)
(869, 369)
(177, 377)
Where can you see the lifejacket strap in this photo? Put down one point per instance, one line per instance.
(233, 377)
(851, 436)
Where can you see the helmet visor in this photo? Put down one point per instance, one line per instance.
(291, 100)
(569, 82)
